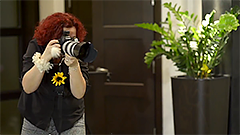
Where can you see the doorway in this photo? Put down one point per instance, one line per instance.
(18, 20)
(130, 103)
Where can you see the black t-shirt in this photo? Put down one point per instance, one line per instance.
(42, 105)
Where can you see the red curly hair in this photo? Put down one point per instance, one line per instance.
(52, 27)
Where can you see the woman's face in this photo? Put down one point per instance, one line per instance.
(72, 31)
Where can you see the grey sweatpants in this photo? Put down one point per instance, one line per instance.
(30, 129)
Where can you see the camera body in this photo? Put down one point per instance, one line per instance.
(84, 51)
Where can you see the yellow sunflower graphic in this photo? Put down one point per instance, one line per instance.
(58, 79)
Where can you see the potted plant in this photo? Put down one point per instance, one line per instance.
(200, 98)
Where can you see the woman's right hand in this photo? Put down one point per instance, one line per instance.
(47, 52)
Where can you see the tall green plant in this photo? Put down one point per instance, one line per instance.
(197, 50)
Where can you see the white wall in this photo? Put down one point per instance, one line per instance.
(48, 7)
(168, 69)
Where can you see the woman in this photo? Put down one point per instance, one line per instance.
(53, 84)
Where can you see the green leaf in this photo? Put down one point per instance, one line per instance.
(169, 21)
(195, 18)
(154, 52)
(153, 27)
(185, 14)
(235, 11)
(157, 43)
(178, 8)
(181, 25)
(173, 10)
(195, 33)
(228, 22)
(211, 19)
(192, 15)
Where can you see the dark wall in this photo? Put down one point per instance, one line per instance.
(230, 63)
(219, 5)
(234, 106)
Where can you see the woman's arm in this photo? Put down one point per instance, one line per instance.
(32, 78)
(77, 81)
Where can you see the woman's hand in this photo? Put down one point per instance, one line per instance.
(70, 61)
(47, 52)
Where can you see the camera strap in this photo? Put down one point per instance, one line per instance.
(60, 93)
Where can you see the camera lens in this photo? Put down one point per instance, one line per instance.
(82, 50)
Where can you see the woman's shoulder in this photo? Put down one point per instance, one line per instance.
(33, 41)
(33, 44)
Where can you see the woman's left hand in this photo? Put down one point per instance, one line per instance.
(70, 61)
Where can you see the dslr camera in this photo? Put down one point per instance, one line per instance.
(84, 51)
